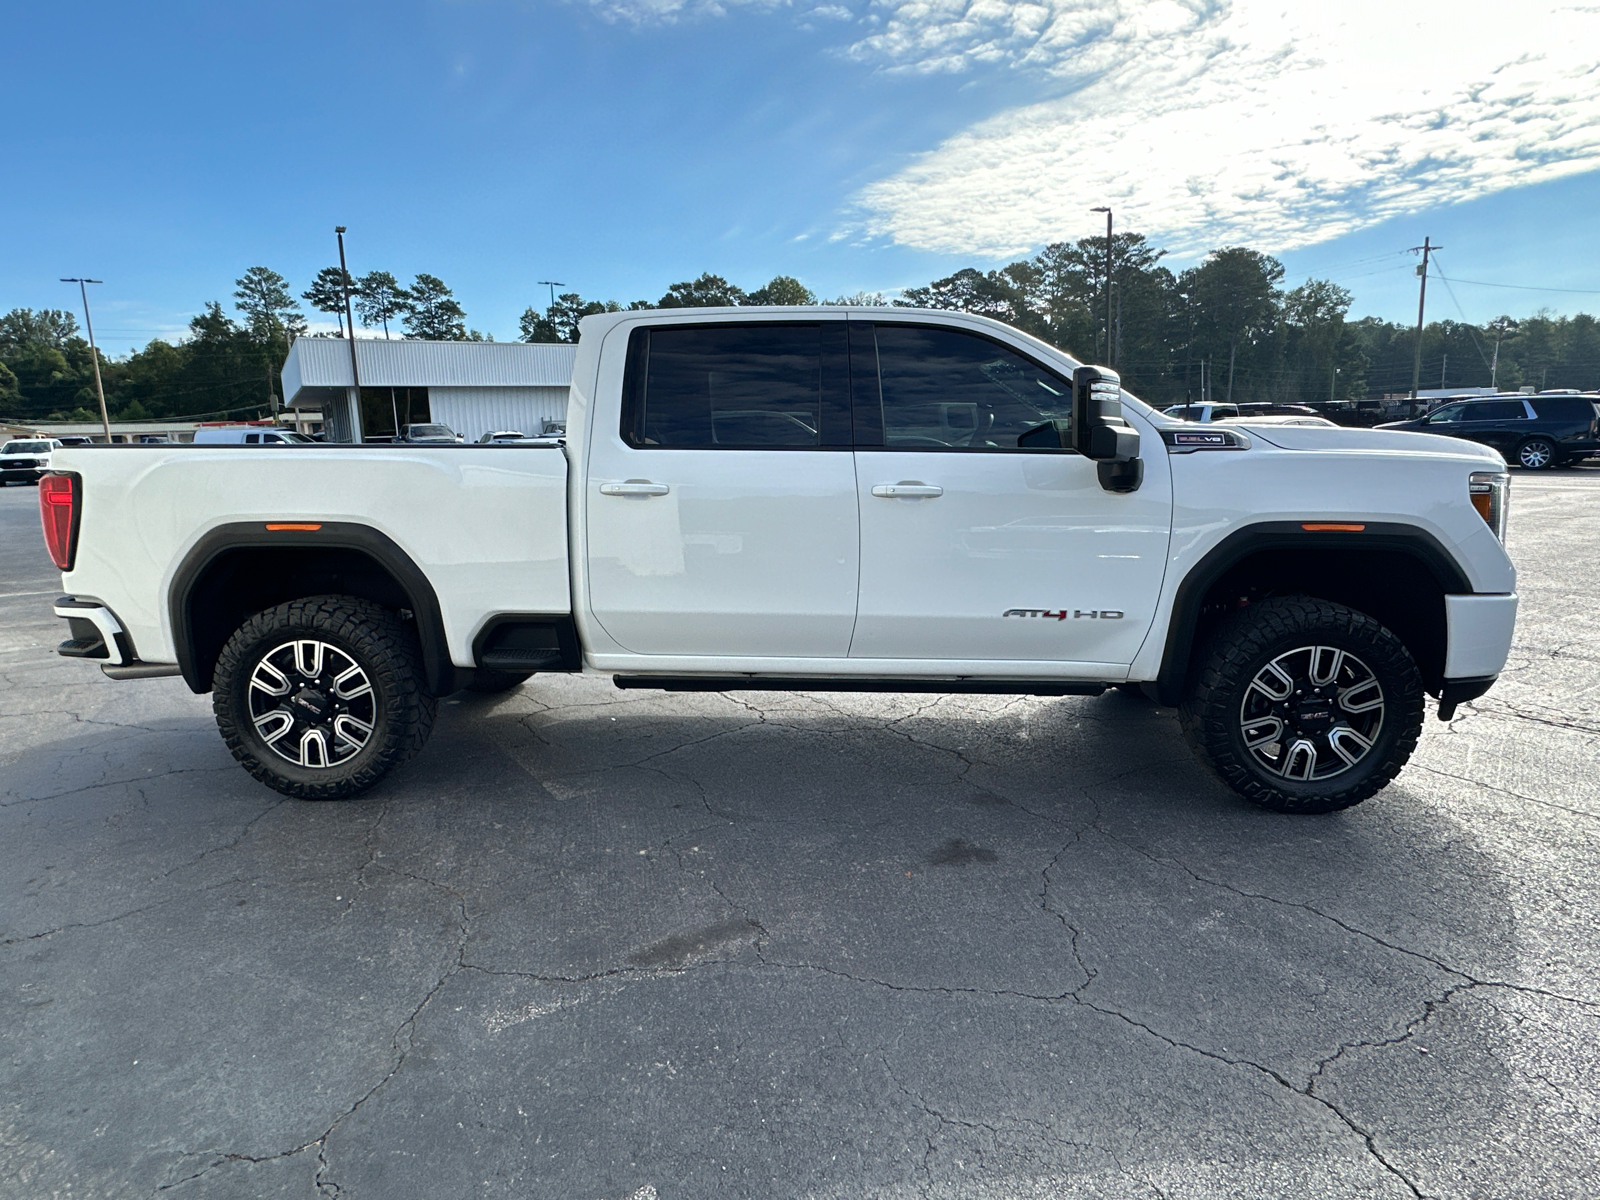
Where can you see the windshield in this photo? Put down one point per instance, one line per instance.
(430, 431)
(25, 448)
(290, 436)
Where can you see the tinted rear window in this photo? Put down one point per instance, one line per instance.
(753, 386)
(1563, 408)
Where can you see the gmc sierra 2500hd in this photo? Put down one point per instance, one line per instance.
(819, 499)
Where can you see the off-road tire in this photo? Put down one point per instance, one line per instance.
(1541, 450)
(492, 683)
(1255, 636)
(383, 646)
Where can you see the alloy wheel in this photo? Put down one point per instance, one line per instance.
(1535, 455)
(312, 703)
(1311, 713)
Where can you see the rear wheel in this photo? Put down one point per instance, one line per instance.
(1536, 454)
(322, 697)
(1304, 706)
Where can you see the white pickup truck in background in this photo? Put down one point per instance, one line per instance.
(816, 499)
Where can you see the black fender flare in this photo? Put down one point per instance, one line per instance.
(328, 535)
(1286, 535)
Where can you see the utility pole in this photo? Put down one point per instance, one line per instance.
(1501, 326)
(1107, 211)
(350, 328)
(1444, 366)
(552, 284)
(1426, 249)
(99, 388)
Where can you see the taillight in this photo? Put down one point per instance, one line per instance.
(1491, 496)
(58, 509)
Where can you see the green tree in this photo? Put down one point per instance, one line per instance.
(326, 293)
(860, 300)
(270, 312)
(784, 289)
(10, 394)
(709, 291)
(1315, 311)
(47, 327)
(1236, 293)
(560, 321)
(431, 312)
(379, 299)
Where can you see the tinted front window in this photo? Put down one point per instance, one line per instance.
(1448, 415)
(943, 389)
(754, 386)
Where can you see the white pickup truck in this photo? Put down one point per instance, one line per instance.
(820, 499)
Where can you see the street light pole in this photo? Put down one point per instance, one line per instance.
(99, 388)
(552, 284)
(1107, 211)
(350, 329)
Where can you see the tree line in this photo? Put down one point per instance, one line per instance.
(1223, 329)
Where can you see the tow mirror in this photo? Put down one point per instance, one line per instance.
(1099, 431)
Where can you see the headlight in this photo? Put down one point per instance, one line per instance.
(1491, 496)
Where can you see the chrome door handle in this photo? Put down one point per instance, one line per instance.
(907, 490)
(634, 487)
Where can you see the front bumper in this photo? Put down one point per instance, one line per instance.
(21, 474)
(1479, 628)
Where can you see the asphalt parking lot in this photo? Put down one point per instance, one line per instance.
(595, 944)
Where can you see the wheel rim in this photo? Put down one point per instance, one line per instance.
(312, 703)
(1312, 713)
(1535, 455)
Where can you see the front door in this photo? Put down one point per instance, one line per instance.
(972, 549)
(722, 513)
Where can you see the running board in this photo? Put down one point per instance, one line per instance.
(848, 683)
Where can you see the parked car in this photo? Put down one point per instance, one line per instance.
(1533, 432)
(428, 434)
(25, 460)
(1276, 419)
(75, 440)
(1203, 413)
(510, 437)
(247, 435)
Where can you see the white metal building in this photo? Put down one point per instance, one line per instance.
(473, 387)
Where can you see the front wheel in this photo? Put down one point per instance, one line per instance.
(1536, 454)
(1304, 706)
(320, 698)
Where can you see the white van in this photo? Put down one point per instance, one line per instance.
(247, 435)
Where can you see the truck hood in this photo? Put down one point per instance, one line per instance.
(1393, 441)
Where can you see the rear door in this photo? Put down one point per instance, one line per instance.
(974, 549)
(721, 513)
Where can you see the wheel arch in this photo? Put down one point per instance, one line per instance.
(242, 568)
(1398, 574)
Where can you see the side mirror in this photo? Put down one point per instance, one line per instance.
(1099, 431)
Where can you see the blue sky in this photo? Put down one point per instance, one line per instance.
(620, 145)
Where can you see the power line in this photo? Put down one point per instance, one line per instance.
(1523, 287)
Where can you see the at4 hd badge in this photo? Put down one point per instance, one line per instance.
(1098, 614)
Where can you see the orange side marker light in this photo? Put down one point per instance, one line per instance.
(1331, 527)
(285, 527)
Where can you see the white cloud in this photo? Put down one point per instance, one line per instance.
(641, 12)
(1243, 122)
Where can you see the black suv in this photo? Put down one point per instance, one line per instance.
(1529, 431)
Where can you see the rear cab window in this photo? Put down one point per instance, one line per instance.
(748, 386)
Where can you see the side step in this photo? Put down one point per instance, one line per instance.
(848, 683)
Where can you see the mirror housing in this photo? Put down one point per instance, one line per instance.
(1099, 431)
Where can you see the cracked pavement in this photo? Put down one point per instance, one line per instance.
(607, 945)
